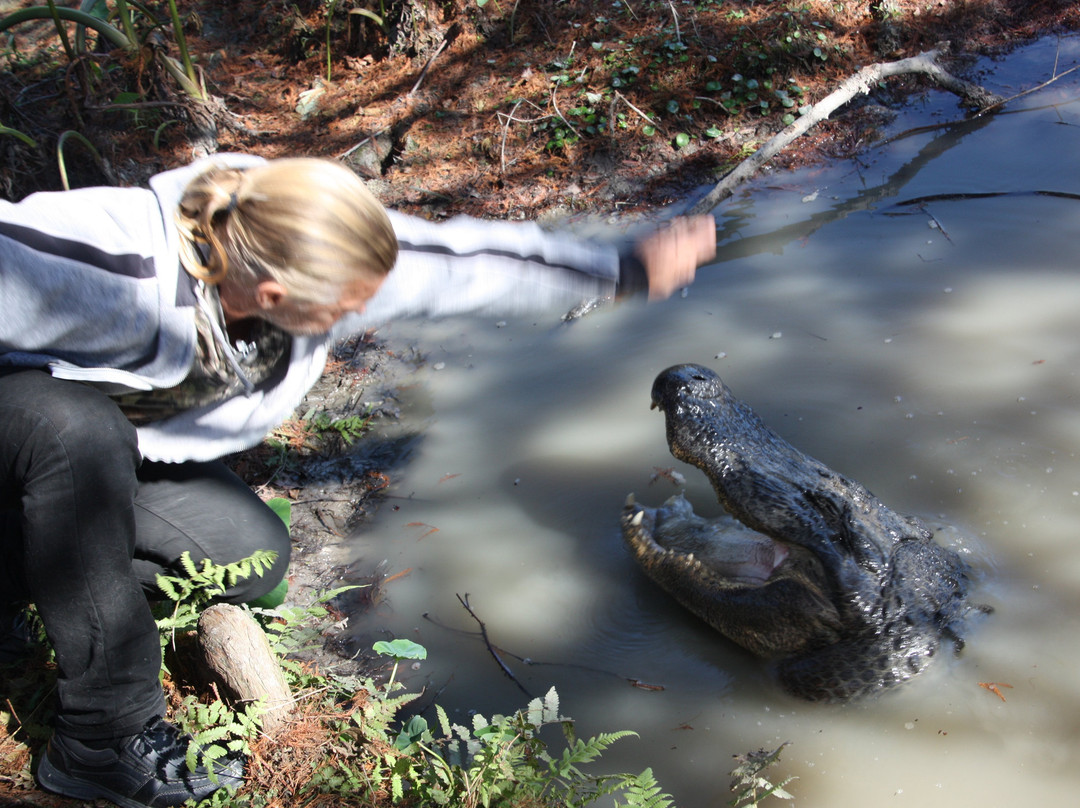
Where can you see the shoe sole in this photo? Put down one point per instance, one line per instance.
(54, 780)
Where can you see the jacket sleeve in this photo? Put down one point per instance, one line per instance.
(468, 265)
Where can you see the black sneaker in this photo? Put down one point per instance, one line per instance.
(141, 771)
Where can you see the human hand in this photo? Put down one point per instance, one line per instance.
(672, 254)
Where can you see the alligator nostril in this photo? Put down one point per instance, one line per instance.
(698, 377)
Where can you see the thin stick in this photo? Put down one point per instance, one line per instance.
(424, 72)
(937, 224)
(507, 119)
(368, 139)
(555, 106)
(675, 16)
(506, 130)
(1028, 91)
(633, 680)
(626, 101)
(491, 649)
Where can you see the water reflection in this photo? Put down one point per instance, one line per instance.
(928, 350)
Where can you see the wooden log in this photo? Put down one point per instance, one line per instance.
(237, 655)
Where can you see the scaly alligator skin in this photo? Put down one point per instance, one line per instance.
(847, 597)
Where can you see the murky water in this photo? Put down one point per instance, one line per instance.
(928, 350)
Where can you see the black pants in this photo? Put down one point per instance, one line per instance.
(86, 527)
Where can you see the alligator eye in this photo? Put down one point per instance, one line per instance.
(698, 377)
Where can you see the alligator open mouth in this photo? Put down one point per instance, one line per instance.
(808, 568)
(725, 549)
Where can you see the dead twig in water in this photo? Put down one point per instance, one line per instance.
(491, 648)
(935, 223)
(529, 661)
(858, 84)
(1029, 91)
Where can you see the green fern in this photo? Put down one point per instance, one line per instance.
(217, 731)
(201, 584)
(504, 760)
(644, 792)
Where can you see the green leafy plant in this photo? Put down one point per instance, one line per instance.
(349, 428)
(187, 595)
(21, 136)
(133, 24)
(504, 760)
(217, 731)
(61, 160)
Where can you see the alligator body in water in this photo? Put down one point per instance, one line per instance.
(846, 596)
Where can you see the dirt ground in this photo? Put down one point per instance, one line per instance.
(528, 110)
(497, 109)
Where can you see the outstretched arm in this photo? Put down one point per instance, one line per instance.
(468, 265)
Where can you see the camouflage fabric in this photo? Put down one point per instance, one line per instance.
(220, 370)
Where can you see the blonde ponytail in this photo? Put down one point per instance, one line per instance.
(307, 223)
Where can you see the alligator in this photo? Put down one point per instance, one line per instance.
(807, 569)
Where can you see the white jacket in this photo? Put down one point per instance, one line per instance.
(92, 289)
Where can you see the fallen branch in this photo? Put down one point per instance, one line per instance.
(430, 62)
(859, 84)
(491, 648)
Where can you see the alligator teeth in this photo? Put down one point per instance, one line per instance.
(689, 556)
(629, 500)
(635, 520)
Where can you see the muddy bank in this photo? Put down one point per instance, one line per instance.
(332, 460)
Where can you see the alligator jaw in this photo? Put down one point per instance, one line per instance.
(717, 552)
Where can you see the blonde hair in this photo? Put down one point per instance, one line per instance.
(307, 223)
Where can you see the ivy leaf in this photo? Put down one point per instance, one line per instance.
(682, 140)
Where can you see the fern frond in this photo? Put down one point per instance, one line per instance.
(643, 791)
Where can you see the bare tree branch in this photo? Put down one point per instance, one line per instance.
(858, 84)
